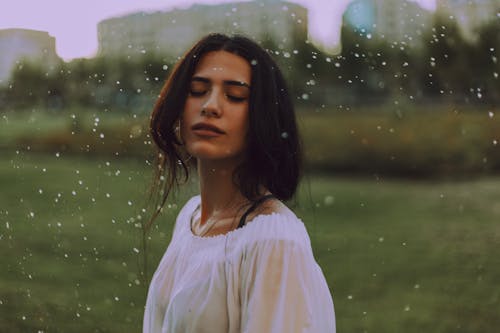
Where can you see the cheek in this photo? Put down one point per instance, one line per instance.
(245, 120)
(189, 111)
(243, 125)
(184, 123)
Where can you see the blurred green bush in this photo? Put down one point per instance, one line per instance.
(415, 144)
(423, 143)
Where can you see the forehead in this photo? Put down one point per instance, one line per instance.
(223, 65)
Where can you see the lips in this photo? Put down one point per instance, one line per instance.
(208, 128)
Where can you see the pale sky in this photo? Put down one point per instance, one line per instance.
(74, 22)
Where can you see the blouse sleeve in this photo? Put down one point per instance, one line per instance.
(184, 215)
(283, 290)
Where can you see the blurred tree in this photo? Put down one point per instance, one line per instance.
(28, 85)
(364, 65)
(484, 63)
(369, 70)
(446, 71)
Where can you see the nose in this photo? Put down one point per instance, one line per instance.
(212, 106)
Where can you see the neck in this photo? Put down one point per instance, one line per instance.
(220, 197)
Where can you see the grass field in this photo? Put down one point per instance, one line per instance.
(399, 256)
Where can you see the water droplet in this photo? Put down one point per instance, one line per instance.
(329, 200)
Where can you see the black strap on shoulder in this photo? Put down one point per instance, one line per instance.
(252, 208)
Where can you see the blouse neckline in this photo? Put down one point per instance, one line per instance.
(233, 232)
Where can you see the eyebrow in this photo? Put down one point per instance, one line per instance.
(226, 82)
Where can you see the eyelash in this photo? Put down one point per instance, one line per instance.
(230, 97)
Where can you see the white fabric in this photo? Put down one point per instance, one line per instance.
(259, 278)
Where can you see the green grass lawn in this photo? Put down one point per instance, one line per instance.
(399, 256)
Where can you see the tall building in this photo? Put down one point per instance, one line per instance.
(172, 32)
(392, 20)
(18, 44)
(470, 14)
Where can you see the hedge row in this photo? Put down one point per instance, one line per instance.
(422, 143)
(411, 144)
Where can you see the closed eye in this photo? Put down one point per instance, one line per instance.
(197, 93)
(236, 99)
(236, 93)
(198, 88)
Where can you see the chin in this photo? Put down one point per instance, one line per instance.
(207, 151)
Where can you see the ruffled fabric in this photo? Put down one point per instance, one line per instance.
(259, 278)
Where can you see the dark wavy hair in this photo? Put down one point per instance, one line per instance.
(273, 158)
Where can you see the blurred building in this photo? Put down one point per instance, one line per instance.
(470, 14)
(392, 20)
(173, 32)
(19, 44)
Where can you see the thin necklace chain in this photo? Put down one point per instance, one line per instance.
(206, 229)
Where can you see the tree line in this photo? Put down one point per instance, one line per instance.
(445, 68)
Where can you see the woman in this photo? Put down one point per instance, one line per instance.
(239, 259)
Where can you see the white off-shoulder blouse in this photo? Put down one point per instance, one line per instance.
(257, 279)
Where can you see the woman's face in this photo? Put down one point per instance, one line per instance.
(214, 123)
